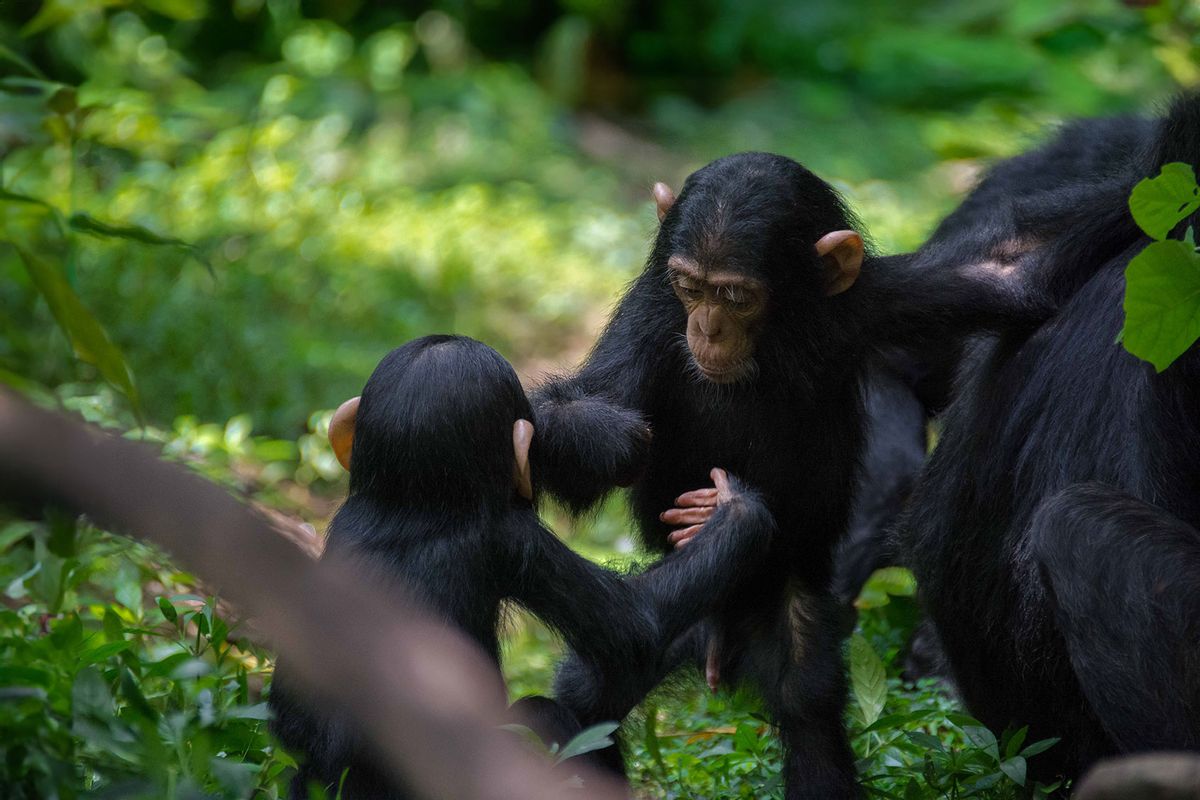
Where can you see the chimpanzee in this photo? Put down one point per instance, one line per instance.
(1055, 532)
(743, 343)
(440, 504)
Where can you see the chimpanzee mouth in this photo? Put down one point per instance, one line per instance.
(741, 371)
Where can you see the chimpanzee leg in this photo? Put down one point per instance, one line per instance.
(1122, 576)
(800, 671)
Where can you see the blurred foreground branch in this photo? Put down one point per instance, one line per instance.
(427, 697)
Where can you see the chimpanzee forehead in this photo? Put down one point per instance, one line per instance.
(754, 214)
(730, 231)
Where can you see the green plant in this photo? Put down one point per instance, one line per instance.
(1162, 282)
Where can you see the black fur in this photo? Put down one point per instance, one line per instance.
(433, 511)
(1054, 531)
(794, 431)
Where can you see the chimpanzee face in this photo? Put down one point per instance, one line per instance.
(724, 313)
(724, 247)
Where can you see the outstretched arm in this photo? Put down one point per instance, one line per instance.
(594, 427)
(726, 541)
(598, 614)
(620, 631)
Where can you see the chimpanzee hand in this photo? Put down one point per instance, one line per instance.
(694, 508)
(586, 446)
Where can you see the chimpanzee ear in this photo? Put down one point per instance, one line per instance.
(522, 439)
(664, 198)
(341, 430)
(841, 255)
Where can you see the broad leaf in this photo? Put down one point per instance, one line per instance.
(594, 738)
(1159, 203)
(1014, 768)
(86, 334)
(983, 739)
(1162, 302)
(867, 678)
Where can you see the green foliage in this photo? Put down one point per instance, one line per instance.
(1162, 282)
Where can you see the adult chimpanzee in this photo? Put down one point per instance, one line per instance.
(1054, 532)
(743, 343)
(440, 504)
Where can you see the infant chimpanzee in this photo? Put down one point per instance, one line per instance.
(441, 505)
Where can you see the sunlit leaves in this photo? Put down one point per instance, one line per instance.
(1162, 282)
(1162, 302)
(1159, 203)
(867, 678)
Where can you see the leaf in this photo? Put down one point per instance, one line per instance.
(133, 695)
(594, 738)
(256, 711)
(13, 675)
(16, 58)
(90, 695)
(1039, 747)
(650, 739)
(1013, 745)
(868, 678)
(1162, 302)
(1159, 203)
(527, 733)
(1014, 768)
(168, 610)
(928, 741)
(983, 739)
(103, 652)
(86, 223)
(84, 331)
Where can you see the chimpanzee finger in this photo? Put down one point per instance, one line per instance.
(686, 516)
(697, 497)
(720, 479)
(684, 535)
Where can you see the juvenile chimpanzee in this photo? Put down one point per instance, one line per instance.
(1055, 533)
(440, 505)
(744, 343)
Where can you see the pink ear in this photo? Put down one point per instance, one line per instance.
(341, 430)
(841, 255)
(664, 198)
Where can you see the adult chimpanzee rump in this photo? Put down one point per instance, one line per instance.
(1054, 532)
(743, 344)
(440, 505)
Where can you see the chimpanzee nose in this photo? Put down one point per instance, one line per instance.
(710, 323)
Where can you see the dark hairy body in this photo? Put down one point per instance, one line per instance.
(1054, 531)
(434, 512)
(791, 424)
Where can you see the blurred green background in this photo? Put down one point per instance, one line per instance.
(215, 218)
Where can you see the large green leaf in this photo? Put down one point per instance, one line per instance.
(86, 334)
(868, 678)
(1162, 302)
(1159, 203)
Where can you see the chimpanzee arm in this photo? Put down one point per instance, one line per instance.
(907, 300)
(619, 631)
(607, 618)
(593, 427)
